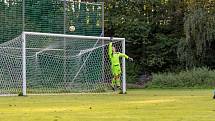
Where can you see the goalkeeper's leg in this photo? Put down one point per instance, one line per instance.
(118, 82)
(116, 70)
(113, 84)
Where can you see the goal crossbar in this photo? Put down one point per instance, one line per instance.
(72, 36)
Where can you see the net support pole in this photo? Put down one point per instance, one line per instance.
(123, 69)
(64, 44)
(23, 15)
(24, 87)
(103, 18)
(103, 49)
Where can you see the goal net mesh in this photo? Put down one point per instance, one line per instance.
(11, 66)
(56, 64)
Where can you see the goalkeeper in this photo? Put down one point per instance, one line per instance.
(115, 65)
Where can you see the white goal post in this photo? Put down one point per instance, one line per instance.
(46, 63)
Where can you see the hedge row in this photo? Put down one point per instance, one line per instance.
(194, 78)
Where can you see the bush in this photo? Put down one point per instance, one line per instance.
(194, 78)
(132, 72)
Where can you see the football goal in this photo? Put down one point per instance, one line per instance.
(45, 63)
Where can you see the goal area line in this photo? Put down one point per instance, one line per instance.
(60, 94)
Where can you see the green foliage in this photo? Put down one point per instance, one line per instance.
(199, 28)
(132, 71)
(194, 78)
(152, 29)
(163, 35)
(160, 54)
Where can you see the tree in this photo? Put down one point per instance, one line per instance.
(199, 28)
(152, 29)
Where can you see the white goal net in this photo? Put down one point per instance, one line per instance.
(44, 63)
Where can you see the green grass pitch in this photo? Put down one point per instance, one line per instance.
(137, 105)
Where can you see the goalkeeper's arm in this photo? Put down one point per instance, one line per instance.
(110, 51)
(125, 56)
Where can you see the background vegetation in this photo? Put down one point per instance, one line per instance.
(165, 37)
(170, 36)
